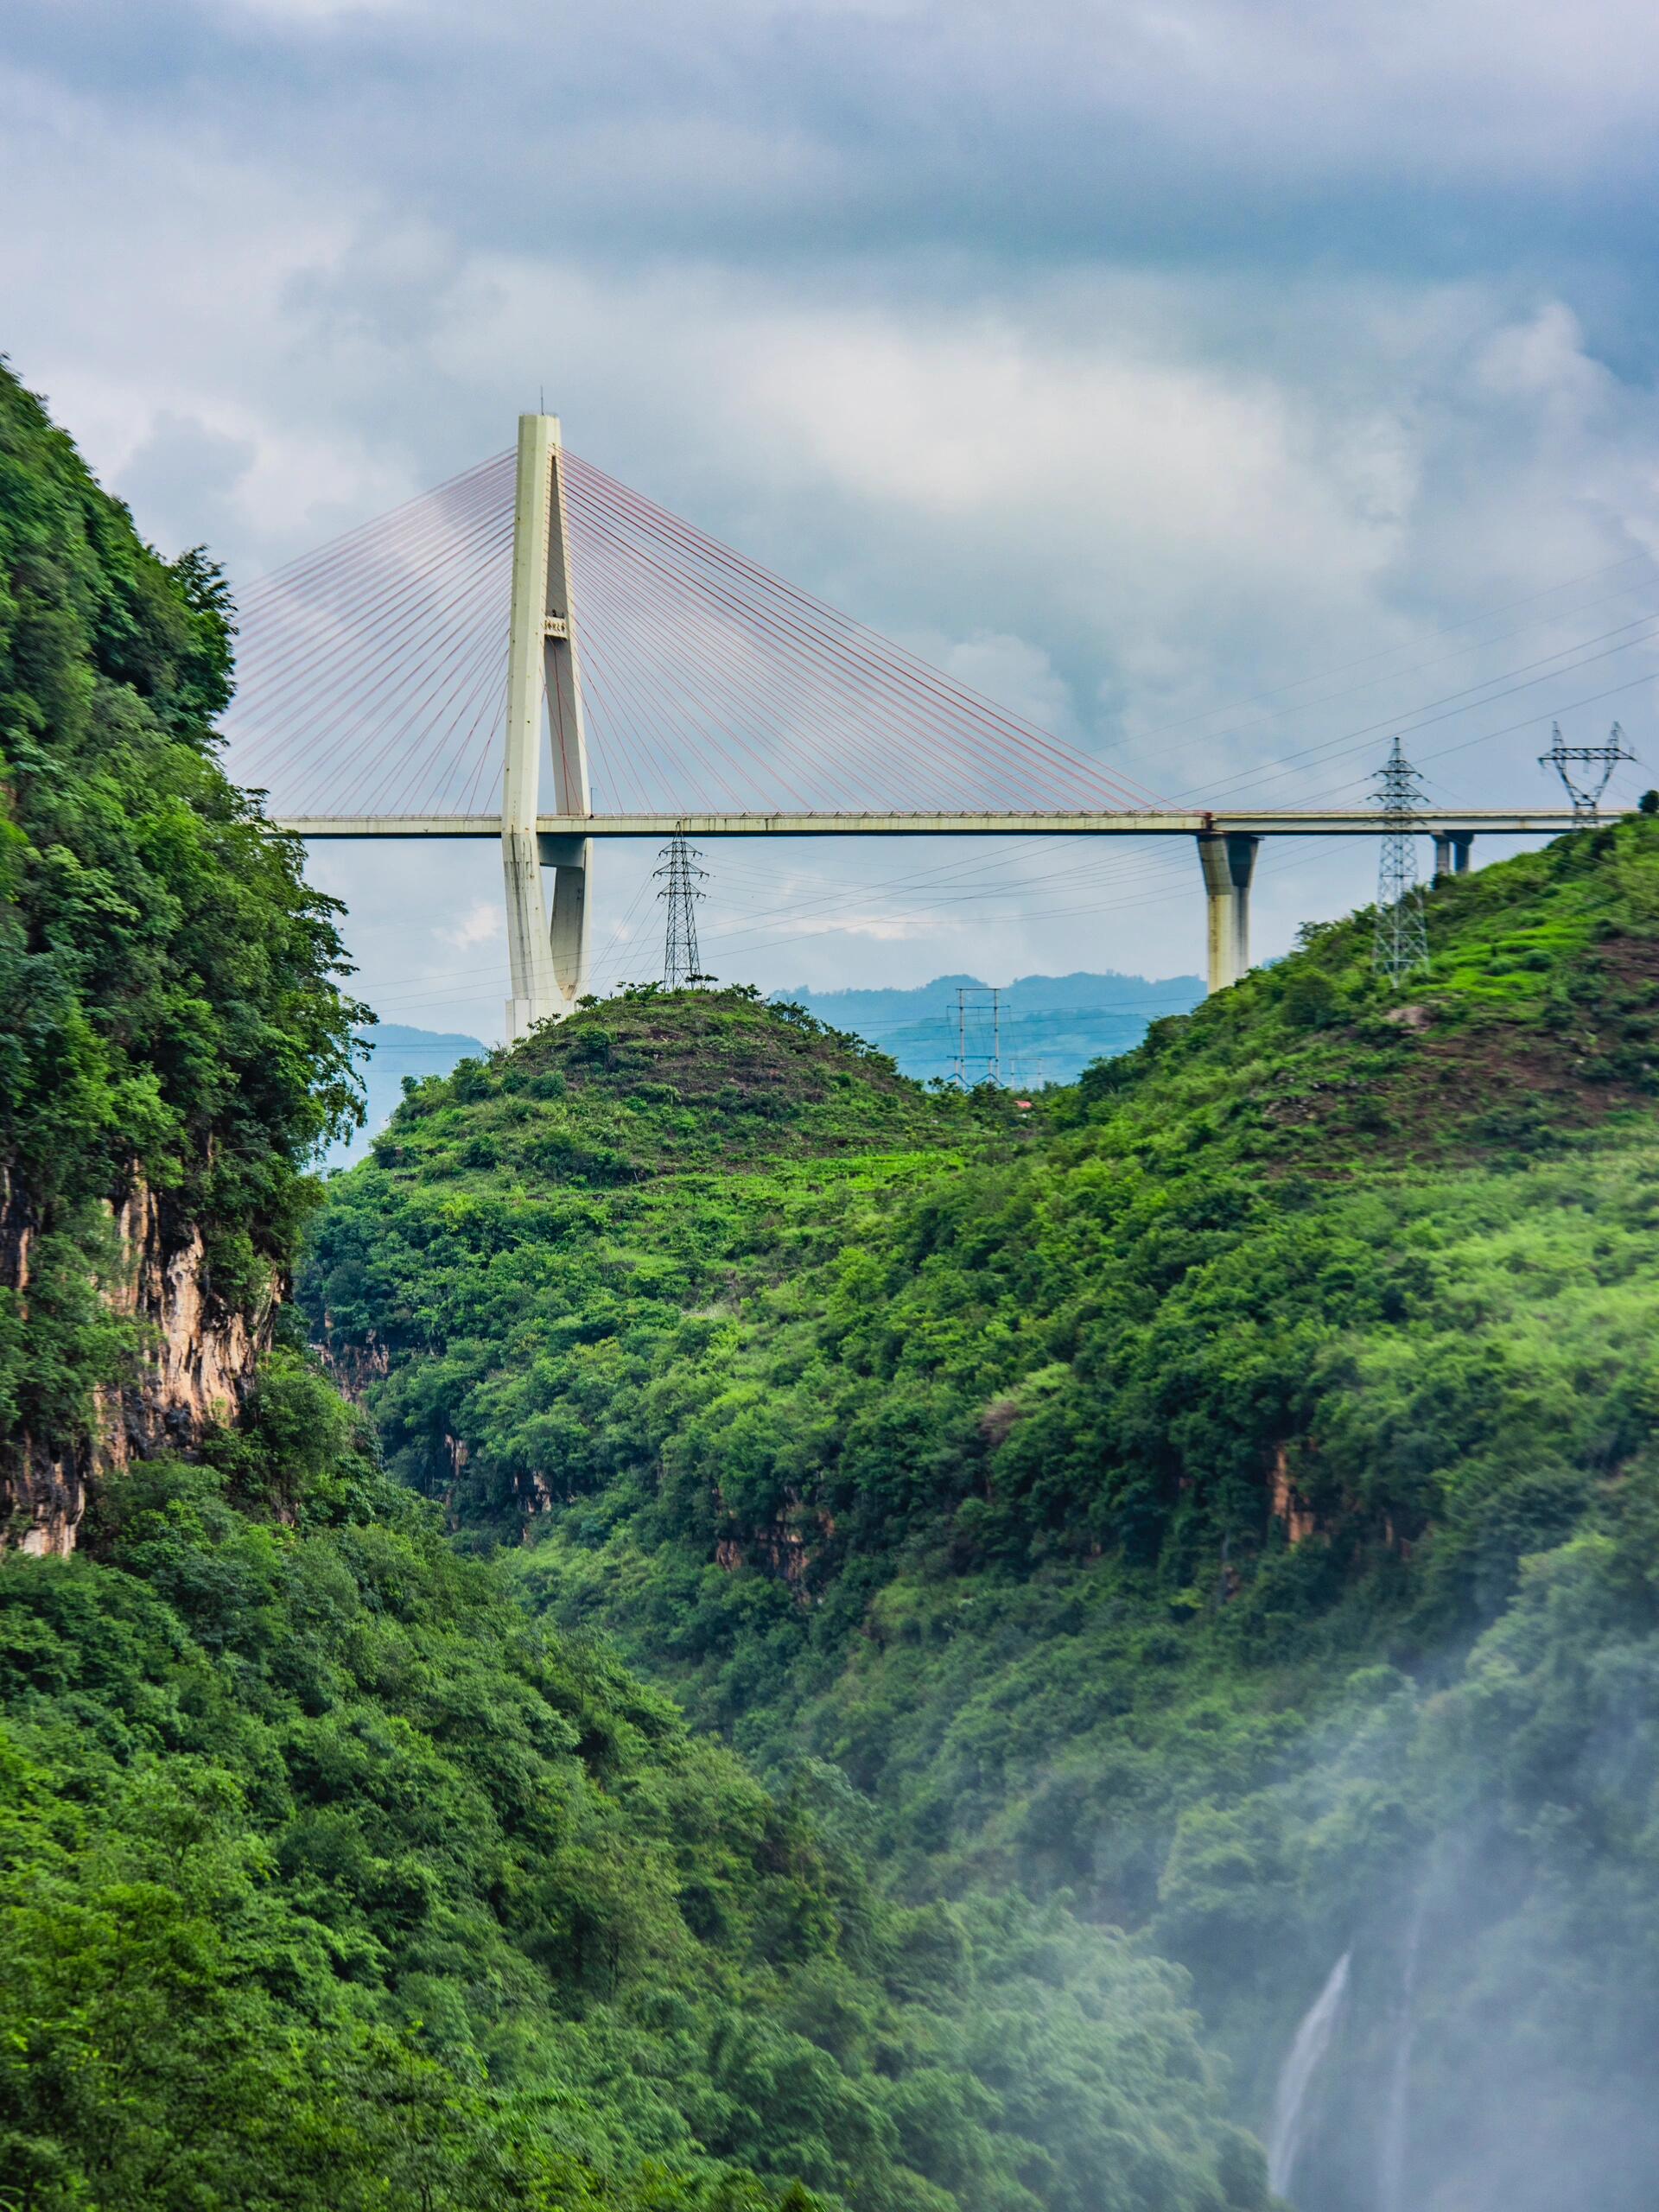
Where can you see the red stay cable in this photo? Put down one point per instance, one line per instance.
(651, 517)
(834, 676)
(875, 722)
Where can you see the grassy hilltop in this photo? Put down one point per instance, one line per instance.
(1226, 1495)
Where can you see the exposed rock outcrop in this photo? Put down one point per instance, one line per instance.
(193, 1360)
(351, 1366)
(1287, 1506)
(782, 1546)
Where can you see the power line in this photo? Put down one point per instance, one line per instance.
(1453, 704)
(1366, 660)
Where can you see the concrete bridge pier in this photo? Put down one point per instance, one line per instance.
(1228, 858)
(1452, 851)
(571, 860)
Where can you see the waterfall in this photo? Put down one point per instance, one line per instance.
(1288, 2125)
(1391, 2190)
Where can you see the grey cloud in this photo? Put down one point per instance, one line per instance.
(1384, 137)
(181, 483)
(1141, 364)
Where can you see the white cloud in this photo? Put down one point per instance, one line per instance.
(1137, 495)
(482, 923)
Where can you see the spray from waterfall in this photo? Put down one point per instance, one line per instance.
(1292, 2098)
(1397, 2124)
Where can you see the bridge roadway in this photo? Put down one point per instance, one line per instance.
(1362, 822)
(1227, 841)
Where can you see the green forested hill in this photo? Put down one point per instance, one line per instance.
(329, 1877)
(1230, 1500)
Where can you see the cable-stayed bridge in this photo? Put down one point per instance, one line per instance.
(535, 654)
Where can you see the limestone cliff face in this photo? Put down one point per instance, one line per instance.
(193, 1360)
(353, 1367)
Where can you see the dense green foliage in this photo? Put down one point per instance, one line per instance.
(329, 1880)
(973, 1462)
(165, 970)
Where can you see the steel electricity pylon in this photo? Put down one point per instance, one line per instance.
(1584, 770)
(1399, 944)
(979, 998)
(681, 878)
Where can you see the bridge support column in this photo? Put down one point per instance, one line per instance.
(569, 858)
(1452, 851)
(1228, 858)
(547, 956)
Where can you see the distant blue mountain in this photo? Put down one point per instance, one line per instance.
(1050, 1027)
(395, 1051)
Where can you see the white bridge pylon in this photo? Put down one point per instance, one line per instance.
(547, 953)
(375, 672)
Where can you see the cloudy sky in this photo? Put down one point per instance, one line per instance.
(1224, 384)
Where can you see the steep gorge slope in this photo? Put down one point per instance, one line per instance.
(1232, 1501)
(329, 1878)
(173, 1044)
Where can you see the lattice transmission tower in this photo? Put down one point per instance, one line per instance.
(979, 999)
(1584, 770)
(681, 877)
(1399, 944)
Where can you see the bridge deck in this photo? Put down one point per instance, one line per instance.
(1359, 822)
